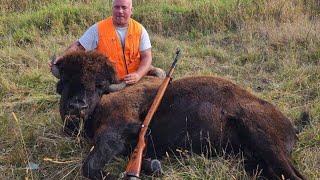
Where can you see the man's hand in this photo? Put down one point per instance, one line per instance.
(143, 69)
(132, 78)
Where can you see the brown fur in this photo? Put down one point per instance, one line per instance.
(199, 113)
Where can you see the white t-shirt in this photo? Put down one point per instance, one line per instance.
(89, 40)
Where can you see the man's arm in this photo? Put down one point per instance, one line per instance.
(144, 67)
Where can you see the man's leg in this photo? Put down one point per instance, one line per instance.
(158, 72)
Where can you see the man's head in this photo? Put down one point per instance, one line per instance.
(121, 12)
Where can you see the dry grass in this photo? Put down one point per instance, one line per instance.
(270, 47)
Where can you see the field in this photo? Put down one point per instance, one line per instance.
(270, 47)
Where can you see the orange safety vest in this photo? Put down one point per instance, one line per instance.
(125, 61)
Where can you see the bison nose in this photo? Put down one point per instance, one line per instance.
(78, 105)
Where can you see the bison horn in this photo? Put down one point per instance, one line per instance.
(54, 69)
(116, 87)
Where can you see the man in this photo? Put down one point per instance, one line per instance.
(126, 43)
(123, 40)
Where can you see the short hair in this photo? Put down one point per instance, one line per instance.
(130, 0)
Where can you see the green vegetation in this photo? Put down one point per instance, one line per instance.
(271, 47)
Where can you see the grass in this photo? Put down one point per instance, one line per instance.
(270, 47)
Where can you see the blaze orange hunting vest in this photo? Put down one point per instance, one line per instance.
(125, 61)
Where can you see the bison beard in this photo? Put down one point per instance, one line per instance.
(211, 112)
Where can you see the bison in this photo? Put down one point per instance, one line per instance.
(197, 113)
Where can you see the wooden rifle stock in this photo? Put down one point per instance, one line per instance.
(134, 165)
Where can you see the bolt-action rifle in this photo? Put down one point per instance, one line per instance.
(134, 165)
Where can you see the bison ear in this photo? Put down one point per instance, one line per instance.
(102, 86)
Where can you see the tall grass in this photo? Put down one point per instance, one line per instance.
(271, 47)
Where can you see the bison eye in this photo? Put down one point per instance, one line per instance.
(98, 86)
(101, 85)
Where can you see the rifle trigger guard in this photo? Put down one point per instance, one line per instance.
(148, 132)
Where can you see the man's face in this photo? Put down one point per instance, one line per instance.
(121, 12)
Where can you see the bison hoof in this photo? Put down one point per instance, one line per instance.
(152, 167)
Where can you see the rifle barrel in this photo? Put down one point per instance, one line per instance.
(134, 165)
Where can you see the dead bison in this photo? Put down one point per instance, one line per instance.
(199, 113)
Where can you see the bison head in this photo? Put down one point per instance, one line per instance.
(83, 78)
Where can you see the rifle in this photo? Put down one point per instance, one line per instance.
(134, 165)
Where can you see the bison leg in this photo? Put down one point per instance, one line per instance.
(108, 144)
(269, 153)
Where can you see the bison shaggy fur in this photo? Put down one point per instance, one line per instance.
(199, 113)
